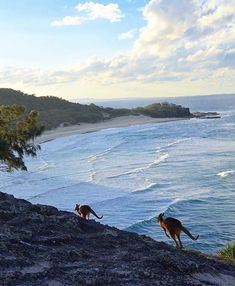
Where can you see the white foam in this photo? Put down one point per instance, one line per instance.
(99, 155)
(225, 174)
(160, 159)
(145, 188)
(171, 144)
(137, 170)
(177, 142)
(45, 166)
(105, 152)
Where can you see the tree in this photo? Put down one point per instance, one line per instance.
(17, 132)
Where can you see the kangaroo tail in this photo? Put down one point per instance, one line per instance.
(99, 217)
(184, 229)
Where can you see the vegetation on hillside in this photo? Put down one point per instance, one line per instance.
(16, 131)
(163, 110)
(54, 111)
(228, 251)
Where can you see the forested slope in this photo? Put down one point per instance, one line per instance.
(54, 111)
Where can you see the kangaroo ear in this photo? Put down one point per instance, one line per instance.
(162, 214)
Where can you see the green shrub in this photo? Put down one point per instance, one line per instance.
(228, 251)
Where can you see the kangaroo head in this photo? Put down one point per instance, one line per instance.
(160, 217)
(77, 207)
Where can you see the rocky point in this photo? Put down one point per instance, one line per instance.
(40, 245)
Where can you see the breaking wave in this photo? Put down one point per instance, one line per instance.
(137, 170)
(146, 189)
(225, 174)
(93, 158)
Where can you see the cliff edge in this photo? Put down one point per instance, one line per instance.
(40, 245)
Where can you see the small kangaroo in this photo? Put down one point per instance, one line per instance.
(84, 211)
(174, 227)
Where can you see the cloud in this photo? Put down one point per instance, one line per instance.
(218, 15)
(203, 55)
(110, 12)
(188, 37)
(167, 21)
(90, 11)
(127, 35)
(181, 41)
(187, 40)
(68, 21)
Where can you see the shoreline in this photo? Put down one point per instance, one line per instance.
(117, 122)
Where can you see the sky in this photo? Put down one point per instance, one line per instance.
(117, 49)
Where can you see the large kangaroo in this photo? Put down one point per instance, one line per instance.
(84, 211)
(174, 227)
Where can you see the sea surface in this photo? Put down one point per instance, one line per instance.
(185, 169)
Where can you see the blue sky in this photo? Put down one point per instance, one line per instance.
(116, 49)
(30, 39)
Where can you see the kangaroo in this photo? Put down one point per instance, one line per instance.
(84, 211)
(174, 227)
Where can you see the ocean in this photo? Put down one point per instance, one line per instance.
(185, 169)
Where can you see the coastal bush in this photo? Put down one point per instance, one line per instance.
(164, 110)
(54, 111)
(228, 251)
(16, 131)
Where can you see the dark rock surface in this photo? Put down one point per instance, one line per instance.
(206, 115)
(40, 245)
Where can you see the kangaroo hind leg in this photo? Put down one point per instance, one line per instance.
(173, 237)
(180, 243)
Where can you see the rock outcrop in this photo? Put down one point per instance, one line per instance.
(40, 245)
(206, 115)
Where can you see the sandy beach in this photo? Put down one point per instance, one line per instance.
(123, 121)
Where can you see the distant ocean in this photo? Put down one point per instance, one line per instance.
(184, 168)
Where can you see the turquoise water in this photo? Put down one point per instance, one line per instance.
(130, 175)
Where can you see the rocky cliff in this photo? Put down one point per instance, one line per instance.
(40, 245)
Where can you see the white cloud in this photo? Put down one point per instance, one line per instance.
(167, 21)
(127, 35)
(202, 55)
(188, 37)
(110, 12)
(217, 16)
(67, 21)
(90, 11)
